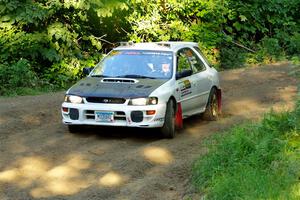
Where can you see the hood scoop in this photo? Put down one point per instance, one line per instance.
(119, 80)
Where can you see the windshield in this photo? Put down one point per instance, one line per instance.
(136, 64)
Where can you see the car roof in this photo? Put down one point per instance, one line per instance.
(159, 46)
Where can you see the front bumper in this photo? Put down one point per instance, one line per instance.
(85, 114)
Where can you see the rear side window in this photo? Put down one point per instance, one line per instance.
(189, 60)
(196, 62)
(199, 51)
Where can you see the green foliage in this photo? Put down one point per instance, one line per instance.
(293, 47)
(265, 27)
(232, 57)
(60, 37)
(54, 37)
(271, 47)
(17, 75)
(253, 161)
(156, 21)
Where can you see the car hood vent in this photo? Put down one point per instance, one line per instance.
(119, 80)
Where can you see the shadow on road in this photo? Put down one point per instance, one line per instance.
(107, 133)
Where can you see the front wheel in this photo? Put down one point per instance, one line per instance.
(212, 108)
(168, 129)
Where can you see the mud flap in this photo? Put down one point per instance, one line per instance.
(178, 117)
(219, 98)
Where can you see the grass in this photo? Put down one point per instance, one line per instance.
(253, 161)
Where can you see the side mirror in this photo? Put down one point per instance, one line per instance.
(183, 74)
(87, 70)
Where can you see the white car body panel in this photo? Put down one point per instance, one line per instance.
(152, 121)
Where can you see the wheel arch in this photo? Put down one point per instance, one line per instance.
(178, 113)
(172, 98)
(219, 96)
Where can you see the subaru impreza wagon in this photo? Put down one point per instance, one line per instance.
(145, 85)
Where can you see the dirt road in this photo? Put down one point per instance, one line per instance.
(39, 159)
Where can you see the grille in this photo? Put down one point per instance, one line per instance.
(105, 100)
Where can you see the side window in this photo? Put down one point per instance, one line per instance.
(205, 59)
(183, 60)
(196, 62)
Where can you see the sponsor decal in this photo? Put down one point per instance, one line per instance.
(133, 52)
(187, 84)
(186, 92)
(113, 53)
(185, 88)
(159, 120)
(165, 68)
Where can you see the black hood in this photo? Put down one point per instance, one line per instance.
(96, 87)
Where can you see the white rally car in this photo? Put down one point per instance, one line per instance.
(146, 85)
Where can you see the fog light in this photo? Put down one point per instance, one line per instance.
(150, 112)
(65, 109)
(137, 116)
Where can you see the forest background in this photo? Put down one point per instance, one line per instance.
(45, 44)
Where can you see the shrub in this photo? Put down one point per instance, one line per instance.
(17, 75)
(232, 57)
(293, 47)
(270, 48)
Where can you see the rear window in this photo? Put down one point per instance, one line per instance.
(205, 59)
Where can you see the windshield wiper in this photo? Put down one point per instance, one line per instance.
(135, 76)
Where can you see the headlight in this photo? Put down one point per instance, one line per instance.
(73, 99)
(143, 101)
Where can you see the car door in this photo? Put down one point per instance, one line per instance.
(203, 79)
(185, 82)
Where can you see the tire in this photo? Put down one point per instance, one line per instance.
(212, 109)
(74, 128)
(168, 130)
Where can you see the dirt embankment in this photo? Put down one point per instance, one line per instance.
(39, 159)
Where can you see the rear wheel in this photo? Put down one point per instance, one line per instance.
(212, 109)
(168, 129)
